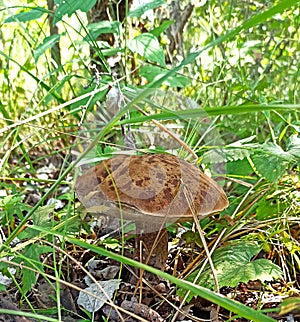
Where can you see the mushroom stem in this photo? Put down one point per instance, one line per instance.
(151, 245)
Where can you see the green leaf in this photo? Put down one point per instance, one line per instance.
(102, 27)
(239, 167)
(48, 42)
(266, 209)
(293, 146)
(28, 280)
(275, 150)
(40, 218)
(270, 167)
(154, 72)
(70, 6)
(86, 5)
(41, 215)
(31, 258)
(105, 27)
(146, 5)
(269, 159)
(13, 205)
(161, 28)
(24, 16)
(234, 273)
(234, 264)
(225, 155)
(10, 201)
(147, 46)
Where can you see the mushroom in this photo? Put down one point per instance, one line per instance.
(150, 190)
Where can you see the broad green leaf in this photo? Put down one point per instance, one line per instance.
(28, 280)
(260, 269)
(48, 42)
(225, 155)
(70, 6)
(86, 5)
(236, 252)
(293, 146)
(147, 46)
(234, 154)
(41, 216)
(275, 150)
(239, 167)
(266, 209)
(271, 160)
(234, 264)
(27, 15)
(270, 167)
(145, 6)
(154, 72)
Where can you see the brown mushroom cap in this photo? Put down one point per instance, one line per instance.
(156, 188)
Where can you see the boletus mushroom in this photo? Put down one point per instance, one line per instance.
(150, 190)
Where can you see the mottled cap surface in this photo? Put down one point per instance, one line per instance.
(154, 188)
